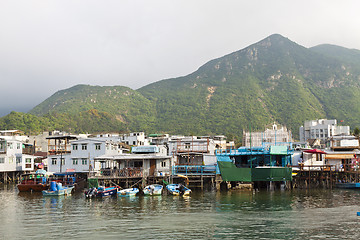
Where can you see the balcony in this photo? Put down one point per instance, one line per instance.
(122, 173)
(194, 170)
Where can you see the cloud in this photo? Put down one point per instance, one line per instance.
(46, 46)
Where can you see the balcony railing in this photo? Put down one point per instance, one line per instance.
(56, 149)
(194, 170)
(124, 172)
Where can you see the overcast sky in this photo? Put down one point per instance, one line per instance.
(49, 45)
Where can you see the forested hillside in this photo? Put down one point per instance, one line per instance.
(272, 80)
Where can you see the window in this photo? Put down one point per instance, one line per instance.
(75, 161)
(187, 145)
(97, 146)
(84, 161)
(63, 161)
(75, 147)
(163, 164)
(2, 160)
(27, 160)
(134, 142)
(1, 146)
(53, 161)
(83, 146)
(10, 145)
(18, 146)
(18, 159)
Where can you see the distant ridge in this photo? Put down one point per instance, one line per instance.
(274, 79)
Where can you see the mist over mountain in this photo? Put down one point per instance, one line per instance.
(273, 80)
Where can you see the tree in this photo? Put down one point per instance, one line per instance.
(356, 131)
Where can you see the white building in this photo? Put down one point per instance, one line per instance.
(190, 150)
(12, 158)
(143, 161)
(134, 139)
(321, 129)
(82, 154)
(158, 139)
(271, 136)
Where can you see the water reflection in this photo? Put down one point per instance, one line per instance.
(298, 214)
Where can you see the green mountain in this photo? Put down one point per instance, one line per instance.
(272, 80)
(128, 107)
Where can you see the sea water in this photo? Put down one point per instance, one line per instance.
(280, 214)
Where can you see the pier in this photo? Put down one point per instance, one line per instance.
(325, 176)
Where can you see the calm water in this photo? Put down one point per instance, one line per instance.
(299, 214)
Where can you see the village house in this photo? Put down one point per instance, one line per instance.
(15, 157)
(321, 129)
(343, 152)
(143, 161)
(134, 139)
(78, 155)
(270, 137)
(190, 150)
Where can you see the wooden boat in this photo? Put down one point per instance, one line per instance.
(129, 192)
(178, 190)
(56, 189)
(101, 192)
(33, 182)
(347, 185)
(154, 189)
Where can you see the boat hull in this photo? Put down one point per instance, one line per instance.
(62, 192)
(153, 190)
(107, 192)
(347, 185)
(32, 187)
(174, 190)
(129, 192)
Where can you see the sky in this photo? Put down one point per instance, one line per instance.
(50, 45)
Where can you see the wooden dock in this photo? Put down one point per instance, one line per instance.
(323, 176)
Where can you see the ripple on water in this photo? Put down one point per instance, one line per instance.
(296, 214)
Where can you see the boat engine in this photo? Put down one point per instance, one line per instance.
(91, 192)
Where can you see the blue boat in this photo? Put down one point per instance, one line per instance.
(101, 192)
(347, 185)
(178, 190)
(70, 179)
(129, 192)
(154, 189)
(56, 189)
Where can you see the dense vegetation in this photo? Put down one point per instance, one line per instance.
(272, 80)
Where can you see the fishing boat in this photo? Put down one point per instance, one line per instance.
(33, 182)
(129, 192)
(56, 189)
(178, 190)
(154, 189)
(69, 179)
(101, 192)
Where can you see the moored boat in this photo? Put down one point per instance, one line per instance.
(129, 192)
(33, 182)
(101, 192)
(178, 189)
(348, 185)
(69, 179)
(56, 189)
(154, 189)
